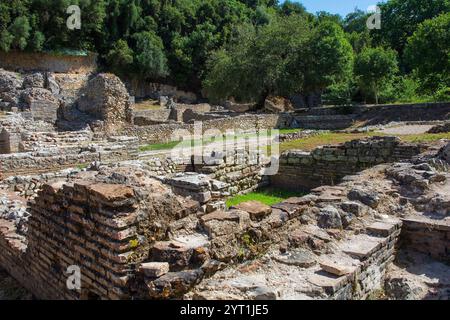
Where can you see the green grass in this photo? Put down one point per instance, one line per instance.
(307, 144)
(268, 196)
(425, 137)
(287, 131)
(160, 146)
(333, 138)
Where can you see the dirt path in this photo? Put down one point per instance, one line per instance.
(407, 129)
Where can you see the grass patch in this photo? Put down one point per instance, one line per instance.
(287, 131)
(268, 196)
(332, 138)
(82, 166)
(307, 144)
(161, 146)
(425, 137)
(147, 105)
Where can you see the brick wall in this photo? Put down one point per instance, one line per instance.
(105, 229)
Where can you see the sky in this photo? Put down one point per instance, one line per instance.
(342, 7)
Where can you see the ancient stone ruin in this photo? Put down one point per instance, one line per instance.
(79, 188)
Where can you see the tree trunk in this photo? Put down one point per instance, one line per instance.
(262, 99)
(375, 90)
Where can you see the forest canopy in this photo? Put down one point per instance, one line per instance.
(249, 48)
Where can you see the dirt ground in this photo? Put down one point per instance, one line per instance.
(407, 129)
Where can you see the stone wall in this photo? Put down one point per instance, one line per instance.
(36, 162)
(429, 236)
(240, 170)
(103, 228)
(28, 186)
(336, 118)
(178, 112)
(165, 132)
(149, 117)
(328, 165)
(375, 252)
(9, 141)
(142, 90)
(27, 61)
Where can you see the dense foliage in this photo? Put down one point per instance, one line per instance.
(249, 48)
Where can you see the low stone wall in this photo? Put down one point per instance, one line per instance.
(336, 118)
(28, 61)
(149, 117)
(431, 237)
(328, 165)
(35, 162)
(142, 89)
(177, 113)
(240, 170)
(162, 133)
(27, 186)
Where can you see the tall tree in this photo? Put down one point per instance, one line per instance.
(400, 19)
(374, 67)
(428, 52)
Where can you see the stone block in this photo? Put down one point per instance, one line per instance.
(255, 209)
(154, 269)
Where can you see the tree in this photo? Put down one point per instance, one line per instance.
(259, 62)
(120, 57)
(400, 19)
(356, 21)
(150, 59)
(6, 40)
(288, 8)
(37, 41)
(375, 66)
(428, 52)
(20, 30)
(329, 57)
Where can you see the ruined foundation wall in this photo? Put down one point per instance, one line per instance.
(161, 133)
(328, 165)
(427, 236)
(369, 276)
(336, 118)
(34, 163)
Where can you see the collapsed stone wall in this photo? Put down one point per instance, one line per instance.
(328, 165)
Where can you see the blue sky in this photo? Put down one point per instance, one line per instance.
(341, 7)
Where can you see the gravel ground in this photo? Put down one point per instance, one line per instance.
(407, 129)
